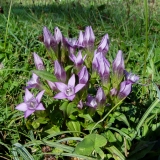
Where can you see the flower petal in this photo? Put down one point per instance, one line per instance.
(47, 37)
(71, 97)
(38, 62)
(22, 107)
(71, 81)
(52, 85)
(28, 95)
(28, 113)
(61, 86)
(80, 104)
(79, 87)
(39, 96)
(40, 107)
(60, 95)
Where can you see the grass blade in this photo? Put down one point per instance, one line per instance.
(146, 114)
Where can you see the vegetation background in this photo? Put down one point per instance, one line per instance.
(132, 28)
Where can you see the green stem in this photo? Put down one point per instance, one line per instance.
(106, 115)
(5, 39)
(146, 41)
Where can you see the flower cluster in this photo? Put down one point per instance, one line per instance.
(89, 67)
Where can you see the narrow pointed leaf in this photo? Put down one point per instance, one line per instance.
(45, 75)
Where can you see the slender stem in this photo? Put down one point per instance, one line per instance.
(5, 39)
(106, 115)
(146, 40)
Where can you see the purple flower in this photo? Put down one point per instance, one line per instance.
(80, 104)
(57, 35)
(68, 91)
(40, 66)
(131, 77)
(78, 61)
(83, 75)
(103, 69)
(100, 96)
(51, 41)
(70, 43)
(59, 72)
(52, 85)
(38, 62)
(80, 43)
(125, 89)
(48, 38)
(113, 92)
(91, 102)
(89, 37)
(33, 82)
(118, 65)
(104, 45)
(31, 104)
(98, 100)
(95, 60)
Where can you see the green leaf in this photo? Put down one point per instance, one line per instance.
(158, 91)
(86, 117)
(145, 129)
(100, 152)
(68, 108)
(110, 136)
(68, 67)
(91, 125)
(45, 75)
(64, 106)
(42, 120)
(74, 126)
(149, 110)
(121, 117)
(90, 143)
(123, 132)
(23, 152)
(85, 147)
(35, 124)
(71, 107)
(52, 130)
(117, 155)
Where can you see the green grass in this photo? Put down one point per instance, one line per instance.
(21, 30)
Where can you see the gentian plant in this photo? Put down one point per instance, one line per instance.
(81, 93)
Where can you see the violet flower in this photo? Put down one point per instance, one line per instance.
(100, 96)
(38, 62)
(48, 37)
(95, 60)
(98, 100)
(131, 77)
(68, 91)
(113, 92)
(70, 43)
(83, 75)
(125, 89)
(51, 41)
(40, 66)
(80, 104)
(57, 35)
(78, 61)
(104, 45)
(103, 69)
(89, 37)
(31, 104)
(91, 102)
(118, 65)
(33, 82)
(80, 43)
(59, 72)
